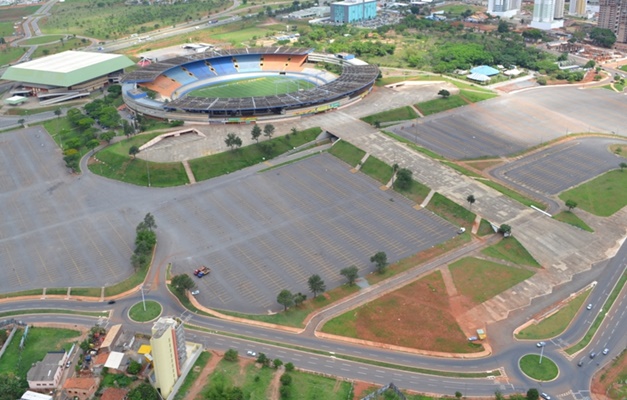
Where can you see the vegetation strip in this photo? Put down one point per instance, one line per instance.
(53, 311)
(573, 219)
(351, 358)
(546, 371)
(599, 319)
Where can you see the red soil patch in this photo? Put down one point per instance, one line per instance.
(418, 315)
(606, 384)
(194, 391)
(361, 389)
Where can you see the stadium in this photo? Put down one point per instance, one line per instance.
(243, 85)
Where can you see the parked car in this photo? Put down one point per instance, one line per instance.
(605, 351)
(545, 396)
(540, 344)
(589, 307)
(195, 292)
(473, 338)
(251, 353)
(461, 230)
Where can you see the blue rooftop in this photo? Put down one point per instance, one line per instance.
(484, 70)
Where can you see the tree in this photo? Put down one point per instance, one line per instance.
(299, 298)
(603, 37)
(92, 144)
(285, 379)
(505, 229)
(277, 363)
(289, 367)
(350, 273)
(263, 359)
(182, 282)
(233, 141)
(285, 298)
(471, 200)
(12, 386)
(21, 121)
(571, 204)
(381, 261)
(149, 222)
(532, 394)
(255, 133)
(268, 131)
(590, 64)
(316, 284)
(403, 179)
(231, 355)
(144, 391)
(622, 166)
(58, 112)
(133, 151)
(503, 27)
(107, 136)
(134, 367)
(458, 395)
(444, 93)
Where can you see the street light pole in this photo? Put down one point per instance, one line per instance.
(541, 352)
(143, 299)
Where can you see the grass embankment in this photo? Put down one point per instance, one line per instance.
(484, 228)
(253, 381)
(555, 324)
(599, 319)
(137, 313)
(348, 153)
(602, 196)
(530, 366)
(416, 192)
(310, 386)
(193, 375)
(414, 146)
(38, 342)
(233, 160)
(573, 219)
(114, 162)
(42, 39)
(417, 315)
(11, 54)
(510, 249)
(58, 47)
(451, 211)
(394, 115)
(295, 316)
(439, 105)
(480, 280)
(377, 169)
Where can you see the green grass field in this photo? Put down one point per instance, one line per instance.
(39, 342)
(451, 211)
(377, 169)
(6, 29)
(264, 86)
(347, 152)
(573, 219)
(137, 313)
(396, 114)
(480, 280)
(602, 196)
(42, 39)
(440, 105)
(14, 13)
(11, 54)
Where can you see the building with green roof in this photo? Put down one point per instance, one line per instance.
(67, 73)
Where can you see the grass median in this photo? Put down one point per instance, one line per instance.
(603, 195)
(556, 323)
(531, 366)
(510, 249)
(396, 114)
(599, 319)
(152, 311)
(573, 219)
(346, 152)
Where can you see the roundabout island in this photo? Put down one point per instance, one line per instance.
(538, 367)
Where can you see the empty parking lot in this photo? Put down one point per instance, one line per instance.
(273, 230)
(511, 123)
(560, 167)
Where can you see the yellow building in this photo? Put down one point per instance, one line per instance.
(168, 352)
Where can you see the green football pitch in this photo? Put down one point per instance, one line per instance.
(263, 86)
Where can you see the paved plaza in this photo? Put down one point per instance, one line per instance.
(561, 167)
(273, 230)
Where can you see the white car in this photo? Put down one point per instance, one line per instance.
(251, 353)
(540, 344)
(605, 351)
(589, 307)
(195, 292)
(545, 396)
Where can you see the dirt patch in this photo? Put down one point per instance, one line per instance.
(194, 391)
(611, 381)
(275, 384)
(418, 315)
(361, 389)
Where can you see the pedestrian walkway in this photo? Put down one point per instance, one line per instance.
(188, 170)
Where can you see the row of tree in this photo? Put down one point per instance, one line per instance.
(145, 241)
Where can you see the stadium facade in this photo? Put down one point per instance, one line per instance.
(170, 81)
(66, 75)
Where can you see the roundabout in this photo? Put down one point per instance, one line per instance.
(538, 368)
(152, 311)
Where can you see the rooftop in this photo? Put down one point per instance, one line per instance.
(80, 383)
(46, 369)
(114, 394)
(484, 70)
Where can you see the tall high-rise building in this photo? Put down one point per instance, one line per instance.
(577, 7)
(168, 352)
(503, 8)
(559, 9)
(544, 15)
(613, 16)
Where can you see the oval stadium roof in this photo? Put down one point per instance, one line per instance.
(67, 68)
